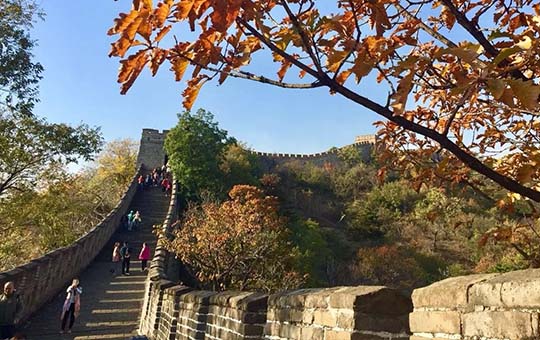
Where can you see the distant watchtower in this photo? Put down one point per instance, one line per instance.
(151, 151)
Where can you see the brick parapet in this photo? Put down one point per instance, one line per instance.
(489, 306)
(41, 279)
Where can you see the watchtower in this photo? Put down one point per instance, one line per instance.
(151, 151)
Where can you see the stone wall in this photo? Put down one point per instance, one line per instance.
(364, 144)
(179, 312)
(489, 306)
(173, 311)
(151, 151)
(41, 279)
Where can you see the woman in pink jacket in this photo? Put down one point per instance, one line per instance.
(144, 256)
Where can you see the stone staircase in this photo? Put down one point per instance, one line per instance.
(110, 303)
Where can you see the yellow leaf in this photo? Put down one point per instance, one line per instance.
(342, 77)
(400, 97)
(335, 59)
(525, 43)
(122, 22)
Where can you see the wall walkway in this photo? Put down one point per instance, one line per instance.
(110, 302)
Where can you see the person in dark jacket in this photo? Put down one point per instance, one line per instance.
(125, 254)
(10, 307)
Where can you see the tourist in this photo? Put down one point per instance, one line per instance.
(144, 256)
(116, 258)
(10, 307)
(72, 305)
(164, 184)
(130, 217)
(137, 220)
(125, 253)
(140, 182)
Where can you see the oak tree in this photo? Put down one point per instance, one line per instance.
(461, 77)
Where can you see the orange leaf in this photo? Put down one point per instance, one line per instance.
(121, 23)
(182, 9)
(163, 32)
(526, 91)
(342, 77)
(158, 57)
(179, 66)
(130, 70)
(192, 91)
(161, 13)
(285, 65)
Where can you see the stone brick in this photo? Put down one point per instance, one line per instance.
(380, 323)
(289, 331)
(254, 318)
(295, 298)
(371, 300)
(435, 322)
(312, 333)
(507, 325)
(337, 335)
(518, 289)
(326, 318)
(450, 293)
(252, 330)
(253, 302)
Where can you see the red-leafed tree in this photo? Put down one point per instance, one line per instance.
(240, 243)
(461, 76)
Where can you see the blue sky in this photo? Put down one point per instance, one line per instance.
(79, 85)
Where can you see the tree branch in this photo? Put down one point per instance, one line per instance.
(469, 26)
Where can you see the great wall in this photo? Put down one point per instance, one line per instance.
(474, 307)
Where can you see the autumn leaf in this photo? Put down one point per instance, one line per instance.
(447, 17)
(161, 13)
(285, 65)
(192, 91)
(179, 66)
(163, 32)
(399, 99)
(496, 87)
(525, 173)
(158, 57)
(526, 91)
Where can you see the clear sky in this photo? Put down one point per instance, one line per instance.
(79, 85)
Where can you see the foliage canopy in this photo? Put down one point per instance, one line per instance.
(240, 243)
(461, 76)
(29, 145)
(19, 74)
(195, 147)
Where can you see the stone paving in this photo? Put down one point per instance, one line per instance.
(111, 302)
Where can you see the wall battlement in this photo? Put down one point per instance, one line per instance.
(151, 152)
